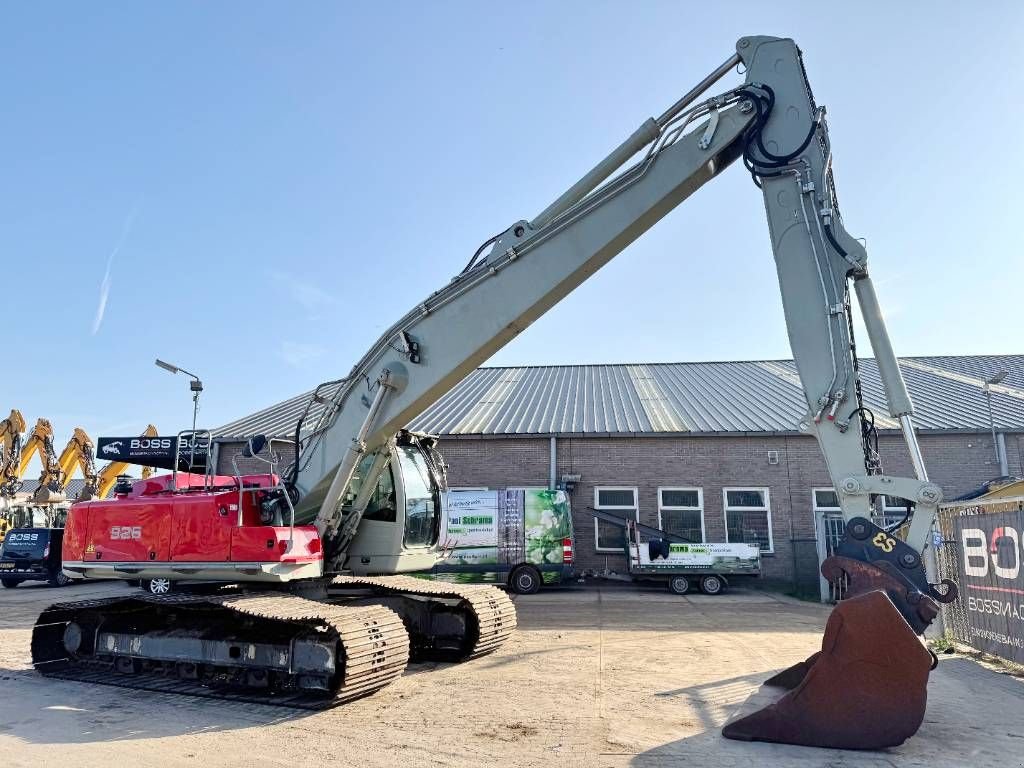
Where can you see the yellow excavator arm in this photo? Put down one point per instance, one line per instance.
(41, 442)
(11, 430)
(80, 452)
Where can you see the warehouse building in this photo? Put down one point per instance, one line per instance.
(712, 451)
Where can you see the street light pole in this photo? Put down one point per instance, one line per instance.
(997, 378)
(196, 386)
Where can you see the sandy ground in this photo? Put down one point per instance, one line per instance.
(595, 677)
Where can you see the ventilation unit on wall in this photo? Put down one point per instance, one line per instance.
(569, 482)
(773, 457)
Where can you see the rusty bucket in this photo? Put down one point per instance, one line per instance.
(865, 689)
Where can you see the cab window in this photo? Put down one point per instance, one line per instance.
(381, 506)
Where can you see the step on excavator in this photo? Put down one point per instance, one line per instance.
(321, 613)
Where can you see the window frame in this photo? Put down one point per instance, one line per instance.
(767, 509)
(597, 505)
(673, 508)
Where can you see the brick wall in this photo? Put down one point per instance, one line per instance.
(958, 463)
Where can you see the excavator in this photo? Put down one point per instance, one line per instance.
(320, 612)
(11, 430)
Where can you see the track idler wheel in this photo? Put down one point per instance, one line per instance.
(865, 689)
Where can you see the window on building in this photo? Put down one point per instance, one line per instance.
(748, 517)
(826, 500)
(620, 502)
(681, 511)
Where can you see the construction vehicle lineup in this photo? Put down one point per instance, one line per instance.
(319, 612)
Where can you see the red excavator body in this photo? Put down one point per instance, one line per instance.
(203, 530)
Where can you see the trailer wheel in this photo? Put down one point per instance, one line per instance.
(712, 585)
(158, 586)
(9, 583)
(678, 585)
(525, 580)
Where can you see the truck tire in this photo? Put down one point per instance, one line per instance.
(678, 585)
(158, 586)
(9, 583)
(525, 580)
(59, 579)
(712, 584)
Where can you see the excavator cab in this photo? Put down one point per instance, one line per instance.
(400, 526)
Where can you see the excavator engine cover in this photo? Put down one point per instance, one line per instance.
(865, 689)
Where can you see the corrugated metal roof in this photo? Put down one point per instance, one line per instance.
(658, 398)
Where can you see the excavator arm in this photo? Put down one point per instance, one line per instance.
(41, 442)
(79, 453)
(11, 430)
(772, 123)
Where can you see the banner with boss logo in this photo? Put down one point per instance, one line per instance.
(992, 588)
(155, 452)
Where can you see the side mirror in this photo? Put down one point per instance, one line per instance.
(254, 446)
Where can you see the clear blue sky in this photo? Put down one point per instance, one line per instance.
(257, 190)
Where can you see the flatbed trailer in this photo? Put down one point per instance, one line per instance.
(680, 563)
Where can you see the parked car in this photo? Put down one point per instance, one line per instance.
(32, 554)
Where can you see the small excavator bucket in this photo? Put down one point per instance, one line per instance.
(865, 689)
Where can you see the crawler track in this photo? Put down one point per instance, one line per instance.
(371, 641)
(492, 614)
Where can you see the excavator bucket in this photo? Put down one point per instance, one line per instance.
(865, 689)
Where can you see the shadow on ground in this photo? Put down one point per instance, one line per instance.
(67, 712)
(973, 719)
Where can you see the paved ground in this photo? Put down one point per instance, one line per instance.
(596, 677)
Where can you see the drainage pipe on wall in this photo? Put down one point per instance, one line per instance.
(552, 474)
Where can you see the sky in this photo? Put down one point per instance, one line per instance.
(255, 191)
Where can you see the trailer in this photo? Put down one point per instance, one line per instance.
(656, 555)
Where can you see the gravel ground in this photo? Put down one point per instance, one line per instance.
(609, 676)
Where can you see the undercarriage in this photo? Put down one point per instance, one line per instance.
(340, 641)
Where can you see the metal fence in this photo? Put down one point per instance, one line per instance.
(949, 556)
